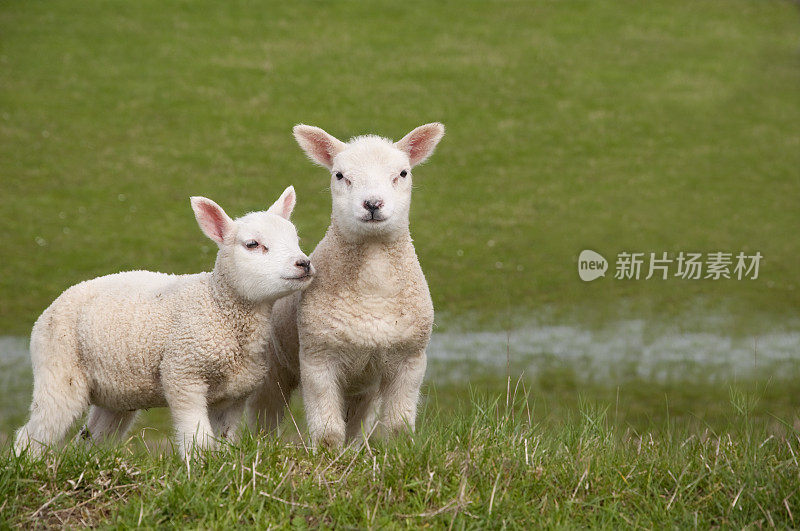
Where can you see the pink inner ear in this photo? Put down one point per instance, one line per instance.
(321, 147)
(288, 205)
(419, 146)
(214, 222)
(420, 143)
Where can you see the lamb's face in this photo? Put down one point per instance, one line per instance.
(264, 257)
(259, 254)
(371, 189)
(370, 177)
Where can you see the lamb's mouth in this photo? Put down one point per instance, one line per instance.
(373, 220)
(302, 278)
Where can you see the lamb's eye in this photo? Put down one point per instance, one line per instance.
(252, 244)
(403, 173)
(339, 175)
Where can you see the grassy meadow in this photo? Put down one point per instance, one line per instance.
(491, 468)
(658, 126)
(613, 126)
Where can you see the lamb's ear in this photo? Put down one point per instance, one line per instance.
(318, 145)
(420, 143)
(285, 204)
(214, 222)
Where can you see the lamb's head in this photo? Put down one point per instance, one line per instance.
(259, 256)
(370, 177)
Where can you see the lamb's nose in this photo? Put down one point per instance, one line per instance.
(304, 264)
(373, 204)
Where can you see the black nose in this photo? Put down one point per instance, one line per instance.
(373, 204)
(304, 264)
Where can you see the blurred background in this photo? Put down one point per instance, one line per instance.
(660, 126)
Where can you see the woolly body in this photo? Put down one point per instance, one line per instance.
(125, 330)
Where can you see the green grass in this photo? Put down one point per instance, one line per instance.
(489, 467)
(641, 126)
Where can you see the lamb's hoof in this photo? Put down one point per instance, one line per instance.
(84, 434)
(29, 449)
(331, 441)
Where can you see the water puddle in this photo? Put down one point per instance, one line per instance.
(622, 350)
(619, 351)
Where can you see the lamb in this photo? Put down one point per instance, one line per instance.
(355, 340)
(140, 339)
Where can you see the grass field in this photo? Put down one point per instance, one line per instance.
(613, 126)
(492, 468)
(552, 451)
(656, 126)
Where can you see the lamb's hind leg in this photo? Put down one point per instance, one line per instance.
(361, 416)
(60, 394)
(104, 424)
(400, 394)
(225, 420)
(268, 403)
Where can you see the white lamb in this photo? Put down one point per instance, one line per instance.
(356, 339)
(139, 339)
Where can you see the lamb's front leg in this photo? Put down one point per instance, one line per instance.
(188, 403)
(323, 399)
(400, 394)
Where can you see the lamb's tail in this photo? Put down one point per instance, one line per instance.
(60, 387)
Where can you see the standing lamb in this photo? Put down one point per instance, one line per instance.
(356, 339)
(139, 339)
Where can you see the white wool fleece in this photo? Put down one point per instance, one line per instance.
(140, 339)
(355, 340)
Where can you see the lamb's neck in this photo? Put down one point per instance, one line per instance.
(397, 245)
(232, 304)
